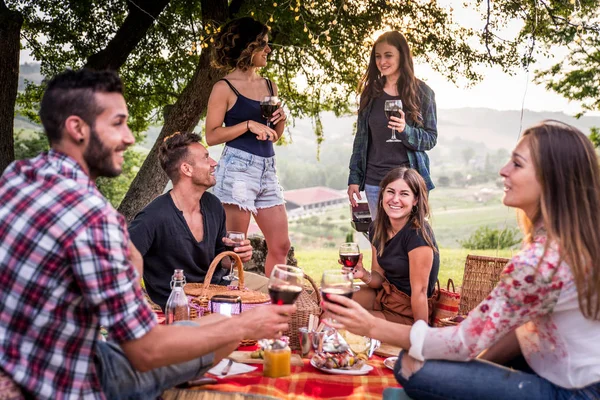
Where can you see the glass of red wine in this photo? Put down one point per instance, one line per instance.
(237, 238)
(349, 255)
(285, 284)
(336, 282)
(392, 109)
(268, 106)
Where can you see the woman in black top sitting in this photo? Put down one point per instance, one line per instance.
(246, 177)
(405, 255)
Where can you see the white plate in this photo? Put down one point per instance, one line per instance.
(365, 369)
(390, 362)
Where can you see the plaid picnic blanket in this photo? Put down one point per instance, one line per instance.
(308, 382)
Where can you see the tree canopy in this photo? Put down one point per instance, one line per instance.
(161, 49)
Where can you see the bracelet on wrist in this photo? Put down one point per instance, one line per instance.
(248, 125)
(370, 278)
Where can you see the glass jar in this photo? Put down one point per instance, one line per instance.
(277, 362)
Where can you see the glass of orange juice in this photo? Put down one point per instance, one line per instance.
(277, 362)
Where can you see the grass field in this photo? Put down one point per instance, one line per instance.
(456, 214)
(452, 261)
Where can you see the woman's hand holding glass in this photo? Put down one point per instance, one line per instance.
(397, 123)
(278, 116)
(347, 314)
(359, 271)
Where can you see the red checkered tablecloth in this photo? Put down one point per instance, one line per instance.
(308, 382)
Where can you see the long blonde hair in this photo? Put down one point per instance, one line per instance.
(420, 213)
(567, 169)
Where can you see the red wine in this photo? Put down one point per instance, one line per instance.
(392, 113)
(342, 291)
(349, 259)
(268, 110)
(284, 294)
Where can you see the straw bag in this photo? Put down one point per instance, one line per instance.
(203, 292)
(307, 303)
(447, 304)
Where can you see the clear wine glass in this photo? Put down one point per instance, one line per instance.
(392, 109)
(336, 282)
(285, 284)
(268, 105)
(237, 238)
(349, 256)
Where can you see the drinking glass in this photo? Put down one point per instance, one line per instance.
(237, 238)
(336, 282)
(285, 284)
(268, 105)
(349, 255)
(392, 109)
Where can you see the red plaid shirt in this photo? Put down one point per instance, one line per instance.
(64, 271)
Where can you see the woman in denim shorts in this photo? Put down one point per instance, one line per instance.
(246, 176)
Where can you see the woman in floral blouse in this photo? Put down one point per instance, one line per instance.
(546, 307)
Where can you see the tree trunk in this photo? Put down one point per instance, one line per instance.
(10, 41)
(151, 180)
(140, 18)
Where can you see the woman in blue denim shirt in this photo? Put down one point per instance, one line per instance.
(390, 76)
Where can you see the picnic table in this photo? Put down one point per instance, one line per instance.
(305, 382)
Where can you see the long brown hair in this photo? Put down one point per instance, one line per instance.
(371, 84)
(567, 169)
(419, 214)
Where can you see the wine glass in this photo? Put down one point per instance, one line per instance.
(285, 284)
(349, 255)
(336, 282)
(268, 105)
(237, 238)
(392, 109)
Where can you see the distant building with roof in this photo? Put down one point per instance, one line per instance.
(312, 200)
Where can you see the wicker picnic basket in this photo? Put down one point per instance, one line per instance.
(203, 292)
(307, 303)
(480, 277)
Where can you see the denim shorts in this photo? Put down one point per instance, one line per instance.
(248, 181)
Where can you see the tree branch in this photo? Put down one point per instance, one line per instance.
(140, 18)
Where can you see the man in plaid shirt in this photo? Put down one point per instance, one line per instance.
(67, 267)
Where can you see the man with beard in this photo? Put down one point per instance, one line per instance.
(185, 228)
(66, 267)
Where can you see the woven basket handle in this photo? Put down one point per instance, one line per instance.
(314, 285)
(450, 282)
(213, 266)
(439, 290)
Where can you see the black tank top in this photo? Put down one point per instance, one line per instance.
(243, 110)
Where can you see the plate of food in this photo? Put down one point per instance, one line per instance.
(340, 363)
(390, 362)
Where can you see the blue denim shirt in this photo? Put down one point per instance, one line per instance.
(416, 139)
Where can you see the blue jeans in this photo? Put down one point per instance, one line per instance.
(248, 181)
(120, 380)
(479, 379)
(372, 193)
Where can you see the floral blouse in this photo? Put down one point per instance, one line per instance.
(538, 300)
